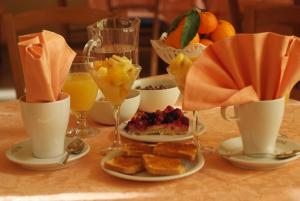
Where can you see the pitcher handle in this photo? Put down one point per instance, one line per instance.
(90, 45)
(226, 116)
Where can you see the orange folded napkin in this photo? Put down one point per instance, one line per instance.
(46, 60)
(241, 69)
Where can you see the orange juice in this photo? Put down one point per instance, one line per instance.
(82, 89)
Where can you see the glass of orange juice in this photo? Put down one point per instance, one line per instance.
(83, 91)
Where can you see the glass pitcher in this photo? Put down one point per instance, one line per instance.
(113, 36)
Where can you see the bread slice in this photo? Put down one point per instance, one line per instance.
(125, 164)
(177, 150)
(159, 165)
(137, 149)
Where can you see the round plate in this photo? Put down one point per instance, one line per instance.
(21, 154)
(161, 138)
(231, 150)
(191, 168)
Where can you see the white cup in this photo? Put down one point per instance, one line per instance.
(259, 124)
(46, 124)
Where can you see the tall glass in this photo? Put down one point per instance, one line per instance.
(83, 91)
(178, 69)
(115, 77)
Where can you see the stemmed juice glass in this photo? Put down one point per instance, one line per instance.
(83, 91)
(115, 77)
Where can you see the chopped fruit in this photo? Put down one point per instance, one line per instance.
(179, 68)
(102, 71)
(115, 77)
(118, 75)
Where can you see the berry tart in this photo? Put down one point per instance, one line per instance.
(170, 121)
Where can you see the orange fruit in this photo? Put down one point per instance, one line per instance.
(174, 38)
(196, 39)
(208, 22)
(224, 29)
(206, 41)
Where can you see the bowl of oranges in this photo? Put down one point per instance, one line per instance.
(190, 34)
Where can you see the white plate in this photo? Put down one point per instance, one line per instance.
(21, 154)
(234, 146)
(161, 138)
(191, 168)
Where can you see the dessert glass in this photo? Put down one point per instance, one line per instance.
(178, 70)
(115, 77)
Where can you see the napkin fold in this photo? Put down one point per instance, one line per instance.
(46, 59)
(241, 69)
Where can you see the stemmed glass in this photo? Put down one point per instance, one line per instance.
(83, 91)
(178, 71)
(115, 77)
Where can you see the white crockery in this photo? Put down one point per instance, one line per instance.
(259, 124)
(102, 110)
(191, 168)
(157, 99)
(46, 124)
(20, 153)
(232, 150)
(162, 138)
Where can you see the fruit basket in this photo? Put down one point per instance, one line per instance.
(190, 34)
(168, 53)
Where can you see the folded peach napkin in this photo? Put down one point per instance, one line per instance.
(241, 69)
(46, 59)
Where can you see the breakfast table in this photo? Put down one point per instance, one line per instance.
(83, 179)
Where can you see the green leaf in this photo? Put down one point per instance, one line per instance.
(190, 28)
(175, 23)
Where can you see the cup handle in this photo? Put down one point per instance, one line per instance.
(226, 116)
(90, 45)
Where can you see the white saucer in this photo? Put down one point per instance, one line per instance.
(21, 154)
(191, 168)
(234, 146)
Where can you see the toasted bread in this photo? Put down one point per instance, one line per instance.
(159, 165)
(176, 149)
(137, 149)
(125, 164)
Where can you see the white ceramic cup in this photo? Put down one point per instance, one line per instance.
(46, 124)
(259, 124)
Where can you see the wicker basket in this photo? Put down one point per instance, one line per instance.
(168, 53)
